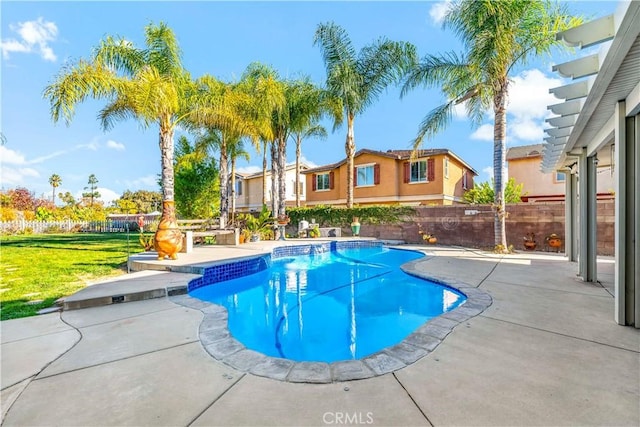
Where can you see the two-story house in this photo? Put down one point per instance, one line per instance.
(249, 189)
(523, 165)
(433, 177)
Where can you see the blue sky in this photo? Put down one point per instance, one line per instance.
(221, 39)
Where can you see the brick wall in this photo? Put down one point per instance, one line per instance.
(452, 227)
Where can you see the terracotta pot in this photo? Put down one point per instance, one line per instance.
(168, 238)
(555, 243)
(432, 240)
(530, 245)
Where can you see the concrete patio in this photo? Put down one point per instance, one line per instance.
(546, 352)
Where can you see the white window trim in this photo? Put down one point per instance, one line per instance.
(446, 168)
(426, 167)
(364, 165)
(328, 181)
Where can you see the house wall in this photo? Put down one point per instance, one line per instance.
(251, 198)
(527, 171)
(391, 188)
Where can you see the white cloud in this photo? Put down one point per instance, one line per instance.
(489, 171)
(93, 146)
(146, 182)
(526, 109)
(115, 145)
(34, 37)
(483, 133)
(460, 111)
(11, 157)
(438, 11)
(307, 162)
(16, 176)
(529, 94)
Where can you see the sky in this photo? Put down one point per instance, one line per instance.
(38, 39)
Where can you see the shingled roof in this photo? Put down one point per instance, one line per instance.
(524, 151)
(393, 154)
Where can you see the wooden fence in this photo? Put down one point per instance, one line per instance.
(38, 227)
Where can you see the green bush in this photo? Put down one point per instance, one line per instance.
(329, 216)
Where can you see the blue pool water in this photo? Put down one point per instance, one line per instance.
(337, 305)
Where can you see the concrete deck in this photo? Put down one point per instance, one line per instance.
(546, 352)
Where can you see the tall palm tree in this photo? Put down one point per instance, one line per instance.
(55, 181)
(148, 84)
(236, 110)
(236, 150)
(308, 104)
(497, 35)
(358, 79)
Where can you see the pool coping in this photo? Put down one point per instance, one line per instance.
(217, 340)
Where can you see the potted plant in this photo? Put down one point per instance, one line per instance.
(554, 241)
(256, 226)
(314, 232)
(426, 236)
(530, 241)
(283, 219)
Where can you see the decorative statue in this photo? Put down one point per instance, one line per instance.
(168, 238)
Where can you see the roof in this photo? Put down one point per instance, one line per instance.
(396, 155)
(524, 151)
(303, 167)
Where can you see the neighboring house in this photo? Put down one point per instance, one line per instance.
(524, 167)
(433, 177)
(249, 189)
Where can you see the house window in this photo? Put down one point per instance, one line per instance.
(446, 167)
(301, 189)
(364, 175)
(418, 171)
(561, 177)
(238, 188)
(322, 181)
(465, 183)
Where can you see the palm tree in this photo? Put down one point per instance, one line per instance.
(236, 150)
(358, 79)
(55, 181)
(236, 110)
(307, 105)
(497, 35)
(148, 84)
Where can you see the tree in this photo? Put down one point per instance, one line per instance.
(197, 191)
(54, 181)
(148, 84)
(68, 199)
(93, 193)
(237, 110)
(307, 105)
(140, 201)
(236, 150)
(359, 79)
(483, 193)
(497, 35)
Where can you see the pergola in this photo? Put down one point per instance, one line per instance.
(599, 124)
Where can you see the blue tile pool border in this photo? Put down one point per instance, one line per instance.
(220, 344)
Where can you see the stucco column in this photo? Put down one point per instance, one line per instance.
(627, 224)
(587, 212)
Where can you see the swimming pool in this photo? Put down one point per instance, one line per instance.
(333, 304)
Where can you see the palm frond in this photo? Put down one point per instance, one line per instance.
(433, 123)
(163, 52)
(119, 55)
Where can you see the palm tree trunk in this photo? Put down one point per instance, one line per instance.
(282, 185)
(224, 183)
(264, 173)
(298, 154)
(53, 198)
(166, 153)
(274, 170)
(350, 151)
(499, 148)
(233, 189)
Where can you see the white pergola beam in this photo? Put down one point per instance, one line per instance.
(590, 33)
(582, 67)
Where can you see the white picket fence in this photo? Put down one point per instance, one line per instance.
(38, 227)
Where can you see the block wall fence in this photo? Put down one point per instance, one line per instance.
(452, 227)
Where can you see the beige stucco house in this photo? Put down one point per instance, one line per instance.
(433, 177)
(523, 165)
(249, 189)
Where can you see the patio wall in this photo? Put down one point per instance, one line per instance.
(452, 227)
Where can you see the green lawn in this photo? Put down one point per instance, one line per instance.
(36, 270)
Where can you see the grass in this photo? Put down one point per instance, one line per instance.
(36, 270)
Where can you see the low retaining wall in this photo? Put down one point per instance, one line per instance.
(452, 226)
